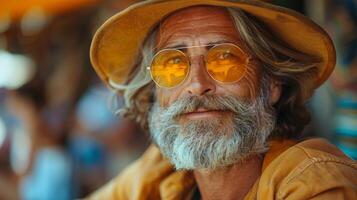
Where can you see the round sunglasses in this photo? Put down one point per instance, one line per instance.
(226, 63)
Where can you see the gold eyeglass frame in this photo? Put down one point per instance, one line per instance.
(213, 46)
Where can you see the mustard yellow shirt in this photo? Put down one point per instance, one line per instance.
(312, 169)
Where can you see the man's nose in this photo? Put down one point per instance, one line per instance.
(199, 81)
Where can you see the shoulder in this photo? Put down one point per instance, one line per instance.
(313, 168)
(138, 181)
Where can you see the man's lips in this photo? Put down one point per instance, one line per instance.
(203, 113)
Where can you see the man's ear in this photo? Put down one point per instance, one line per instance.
(275, 91)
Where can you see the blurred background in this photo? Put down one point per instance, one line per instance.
(59, 138)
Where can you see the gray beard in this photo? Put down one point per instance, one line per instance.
(212, 143)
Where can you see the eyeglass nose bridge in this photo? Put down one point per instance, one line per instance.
(194, 51)
(201, 62)
(202, 57)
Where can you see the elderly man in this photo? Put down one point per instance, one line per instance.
(221, 86)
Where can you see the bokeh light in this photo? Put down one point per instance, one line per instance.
(15, 70)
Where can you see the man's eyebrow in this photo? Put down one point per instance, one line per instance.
(219, 42)
(176, 46)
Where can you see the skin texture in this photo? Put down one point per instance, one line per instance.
(203, 25)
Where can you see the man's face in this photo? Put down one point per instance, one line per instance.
(202, 123)
(199, 26)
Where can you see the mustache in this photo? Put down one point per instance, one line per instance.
(208, 102)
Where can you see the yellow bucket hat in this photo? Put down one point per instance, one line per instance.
(117, 42)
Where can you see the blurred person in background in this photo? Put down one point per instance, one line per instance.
(39, 158)
(221, 86)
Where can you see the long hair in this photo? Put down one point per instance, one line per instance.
(277, 61)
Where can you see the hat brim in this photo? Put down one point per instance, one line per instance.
(117, 42)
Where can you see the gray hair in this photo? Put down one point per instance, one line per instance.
(276, 59)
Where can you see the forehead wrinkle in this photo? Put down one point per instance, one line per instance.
(214, 35)
(198, 27)
(196, 22)
(182, 38)
(198, 30)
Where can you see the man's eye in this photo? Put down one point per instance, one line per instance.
(176, 60)
(225, 55)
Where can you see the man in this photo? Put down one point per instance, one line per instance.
(221, 87)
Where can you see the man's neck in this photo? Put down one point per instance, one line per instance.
(229, 183)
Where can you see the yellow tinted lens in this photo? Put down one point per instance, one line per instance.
(226, 63)
(169, 68)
